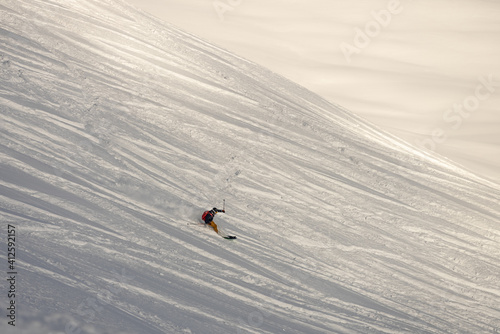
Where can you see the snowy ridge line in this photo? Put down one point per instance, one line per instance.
(117, 129)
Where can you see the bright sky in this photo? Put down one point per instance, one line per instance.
(425, 70)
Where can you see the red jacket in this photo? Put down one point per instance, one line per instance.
(208, 216)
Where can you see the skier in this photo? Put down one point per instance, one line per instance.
(208, 218)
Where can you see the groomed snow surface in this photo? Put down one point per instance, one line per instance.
(117, 131)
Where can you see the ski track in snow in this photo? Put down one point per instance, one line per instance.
(118, 130)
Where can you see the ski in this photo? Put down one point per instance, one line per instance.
(225, 236)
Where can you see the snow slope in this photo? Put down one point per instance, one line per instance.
(426, 57)
(118, 130)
